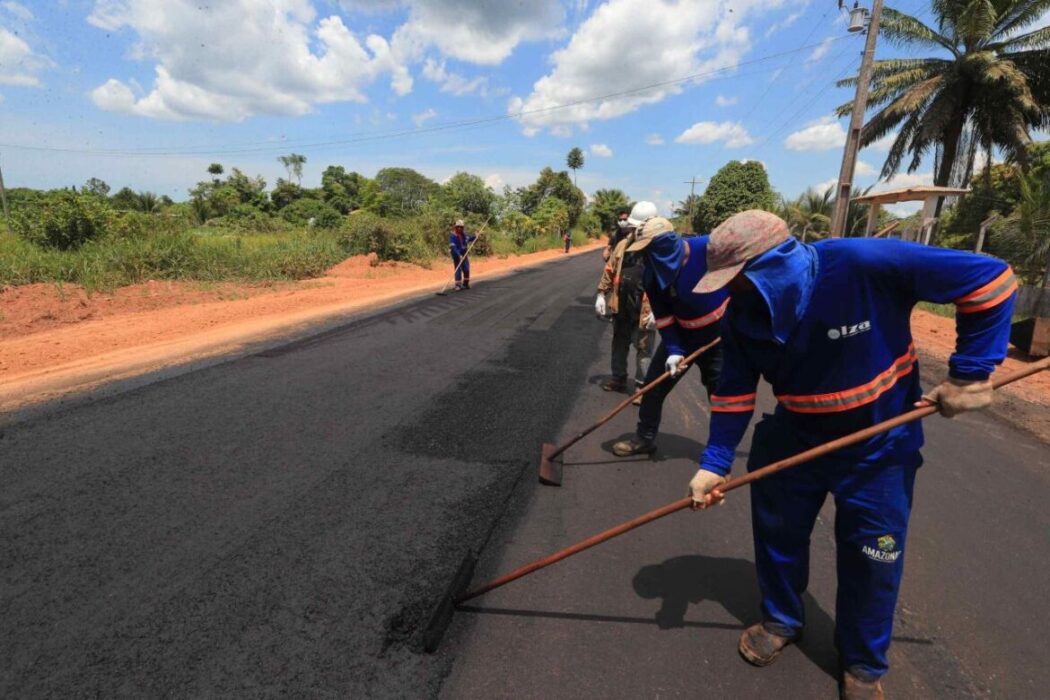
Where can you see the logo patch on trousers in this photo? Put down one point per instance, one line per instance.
(887, 550)
(849, 330)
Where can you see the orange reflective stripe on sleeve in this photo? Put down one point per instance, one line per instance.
(733, 404)
(857, 396)
(664, 322)
(992, 294)
(705, 320)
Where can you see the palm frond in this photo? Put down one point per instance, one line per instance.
(976, 23)
(904, 30)
(1020, 15)
(1038, 39)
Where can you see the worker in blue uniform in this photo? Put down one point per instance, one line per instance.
(685, 320)
(828, 326)
(459, 246)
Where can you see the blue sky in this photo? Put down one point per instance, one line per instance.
(147, 93)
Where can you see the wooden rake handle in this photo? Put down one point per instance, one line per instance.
(688, 360)
(681, 504)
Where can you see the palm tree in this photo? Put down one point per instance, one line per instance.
(988, 87)
(147, 202)
(608, 204)
(811, 212)
(575, 161)
(1025, 234)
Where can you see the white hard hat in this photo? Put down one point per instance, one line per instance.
(642, 212)
(459, 222)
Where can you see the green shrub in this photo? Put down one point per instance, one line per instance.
(63, 220)
(389, 240)
(301, 211)
(519, 227)
(245, 217)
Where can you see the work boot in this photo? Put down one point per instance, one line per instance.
(760, 647)
(466, 284)
(615, 384)
(855, 688)
(459, 287)
(633, 446)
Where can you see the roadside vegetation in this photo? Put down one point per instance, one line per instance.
(232, 227)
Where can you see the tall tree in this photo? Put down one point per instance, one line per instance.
(575, 161)
(552, 184)
(736, 187)
(96, 186)
(404, 190)
(987, 86)
(1025, 233)
(811, 212)
(293, 163)
(468, 193)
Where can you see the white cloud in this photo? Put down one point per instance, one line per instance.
(227, 61)
(686, 37)
(495, 181)
(820, 135)
(654, 140)
(822, 187)
(863, 169)
(822, 49)
(18, 11)
(601, 150)
(453, 83)
(905, 180)
(19, 64)
(783, 24)
(478, 31)
(424, 116)
(884, 143)
(731, 134)
(723, 101)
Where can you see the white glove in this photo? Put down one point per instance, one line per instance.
(955, 396)
(599, 305)
(672, 364)
(649, 322)
(701, 486)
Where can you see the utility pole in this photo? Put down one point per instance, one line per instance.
(692, 192)
(3, 200)
(856, 123)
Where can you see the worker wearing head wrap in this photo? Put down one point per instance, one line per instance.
(828, 326)
(685, 320)
(632, 319)
(459, 246)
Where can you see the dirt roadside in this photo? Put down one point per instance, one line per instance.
(56, 339)
(1025, 404)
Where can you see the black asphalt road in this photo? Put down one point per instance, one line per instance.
(657, 613)
(281, 524)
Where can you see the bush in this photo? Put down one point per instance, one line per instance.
(301, 211)
(519, 227)
(64, 220)
(368, 233)
(245, 217)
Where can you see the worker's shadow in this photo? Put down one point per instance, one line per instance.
(732, 584)
(668, 446)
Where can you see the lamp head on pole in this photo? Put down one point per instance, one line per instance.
(858, 18)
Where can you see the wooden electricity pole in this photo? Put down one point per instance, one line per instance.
(856, 123)
(692, 192)
(3, 201)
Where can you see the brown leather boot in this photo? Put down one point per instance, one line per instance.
(854, 688)
(615, 383)
(633, 446)
(761, 647)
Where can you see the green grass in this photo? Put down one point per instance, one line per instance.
(205, 254)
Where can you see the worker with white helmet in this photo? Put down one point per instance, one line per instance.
(632, 319)
(459, 246)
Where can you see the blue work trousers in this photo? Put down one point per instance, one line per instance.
(462, 271)
(873, 500)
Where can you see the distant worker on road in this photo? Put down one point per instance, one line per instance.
(686, 321)
(566, 236)
(828, 326)
(459, 244)
(633, 323)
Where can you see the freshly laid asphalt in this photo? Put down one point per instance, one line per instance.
(281, 524)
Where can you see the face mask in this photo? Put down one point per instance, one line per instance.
(623, 223)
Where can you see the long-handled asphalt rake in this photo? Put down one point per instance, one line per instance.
(455, 595)
(551, 470)
(462, 260)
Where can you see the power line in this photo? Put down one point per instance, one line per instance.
(449, 126)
